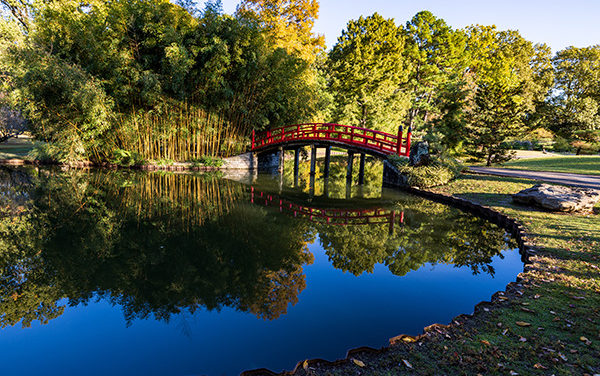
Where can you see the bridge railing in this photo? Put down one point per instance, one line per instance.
(374, 140)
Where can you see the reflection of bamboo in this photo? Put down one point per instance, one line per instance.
(186, 198)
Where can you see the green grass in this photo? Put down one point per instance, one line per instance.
(559, 296)
(589, 165)
(15, 148)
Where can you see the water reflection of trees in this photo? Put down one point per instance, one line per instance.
(161, 244)
(431, 233)
(133, 240)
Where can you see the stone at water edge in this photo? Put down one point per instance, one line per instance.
(419, 154)
(559, 198)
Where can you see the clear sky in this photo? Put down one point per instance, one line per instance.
(559, 23)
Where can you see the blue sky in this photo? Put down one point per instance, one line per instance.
(558, 23)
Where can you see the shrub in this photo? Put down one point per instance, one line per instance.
(208, 162)
(440, 171)
(45, 153)
(126, 158)
(562, 145)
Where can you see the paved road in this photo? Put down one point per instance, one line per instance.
(576, 180)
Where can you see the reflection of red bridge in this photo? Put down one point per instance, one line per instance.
(340, 217)
(363, 139)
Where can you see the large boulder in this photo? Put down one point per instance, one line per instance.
(558, 198)
(419, 154)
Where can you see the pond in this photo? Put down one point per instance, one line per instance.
(121, 272)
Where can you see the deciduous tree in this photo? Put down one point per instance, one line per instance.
(367, 69)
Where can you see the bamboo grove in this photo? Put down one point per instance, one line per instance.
(130, 81)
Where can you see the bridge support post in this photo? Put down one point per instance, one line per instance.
(361, 170)
(296, 165)
(313, 167)
(281, 159)
(313, 159)
(326, 187)
(327, 161)
(349, 171)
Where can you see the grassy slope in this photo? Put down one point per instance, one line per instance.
(559, 297)
(589, 165)
(15, 148)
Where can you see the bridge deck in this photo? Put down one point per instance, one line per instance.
(369, 140)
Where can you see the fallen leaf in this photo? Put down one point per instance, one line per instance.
(513, 373)
(562, 357)
(358, 362)
(487, 343)
(406, 363)
(523, 339)
(539, 366)
(523, 323)
(583, 339)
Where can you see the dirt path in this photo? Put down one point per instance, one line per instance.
(576, 180)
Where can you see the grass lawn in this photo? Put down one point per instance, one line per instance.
(15, 148)
(589, 165)
(550, 322)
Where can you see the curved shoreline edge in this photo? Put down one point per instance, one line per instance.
(511, 225)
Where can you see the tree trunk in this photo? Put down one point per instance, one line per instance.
(489, 158)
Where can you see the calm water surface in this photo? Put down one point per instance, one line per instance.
(114, 272)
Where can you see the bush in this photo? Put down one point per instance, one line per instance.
(208, 162)
(126, 158)
(585, 148)
(440, 171)
(562, 145)
(45, 152)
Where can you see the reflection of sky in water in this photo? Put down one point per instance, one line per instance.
(336, 311)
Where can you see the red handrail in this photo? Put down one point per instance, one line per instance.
(370, 139)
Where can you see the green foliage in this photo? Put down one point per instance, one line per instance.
(208, 162)
(437, 56)
(512, 77)
(366, 68)
(126, 158)
(440, 171)
(562, 145)
(100, 77)
(575, 109)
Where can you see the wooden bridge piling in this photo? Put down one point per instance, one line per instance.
(296, 165)
(361, 169)
(349, 171)
(327, 161)
(313, 159)
(281, 159)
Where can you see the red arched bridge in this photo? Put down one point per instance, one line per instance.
(327, 134)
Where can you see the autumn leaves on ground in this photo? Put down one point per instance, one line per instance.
(549, 323)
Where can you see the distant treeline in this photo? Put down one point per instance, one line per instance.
(155, 80)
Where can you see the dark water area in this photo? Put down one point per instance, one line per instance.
(120, 272)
